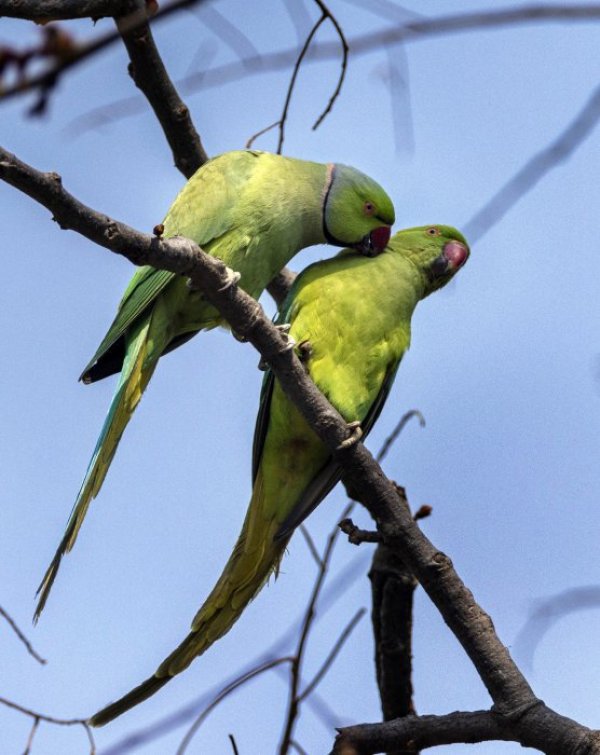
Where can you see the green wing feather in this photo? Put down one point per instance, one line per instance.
(144, 287)
(329, 475)
(204, 211)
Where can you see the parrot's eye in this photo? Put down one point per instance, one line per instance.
(369, 208)
(433, 231)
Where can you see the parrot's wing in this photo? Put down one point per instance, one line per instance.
(262, 421)
(146, 284)
(204, 211)
(329, 475)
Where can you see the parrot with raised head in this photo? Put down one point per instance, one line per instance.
(255, 211)
(351, 320)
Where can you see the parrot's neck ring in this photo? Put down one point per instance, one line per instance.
(329, 179)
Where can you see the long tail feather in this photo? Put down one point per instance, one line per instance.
(255, 557)
(135, 375)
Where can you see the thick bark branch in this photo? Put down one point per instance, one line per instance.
(150, 76)
(512, 695)
(421, 732)
(392, 588)
(59, 10)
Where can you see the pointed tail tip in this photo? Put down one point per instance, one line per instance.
(43, 591)
(142, 692)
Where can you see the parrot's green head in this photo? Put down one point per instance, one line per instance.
(437, 251)
(357, 212)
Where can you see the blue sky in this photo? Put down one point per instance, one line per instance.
(504, 367)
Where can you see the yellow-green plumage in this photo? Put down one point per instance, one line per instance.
(253, 210)
(353, 316)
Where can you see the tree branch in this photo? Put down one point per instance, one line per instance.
(412, 31)
(43, 11)
(532, 722)
(150, 76)
(420, 732)
(47, 79)
(393, 586)
(13, 625)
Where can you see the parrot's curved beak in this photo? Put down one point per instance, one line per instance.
(375, 242)
(453, 256)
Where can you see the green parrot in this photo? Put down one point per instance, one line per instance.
(350, 318)
(255, 211)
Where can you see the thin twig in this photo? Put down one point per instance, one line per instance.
(333, 653)
(52, 720)
(48, 78)
(292, 83)
(326, 12)
(34, 728)
(233, 745)
(22, 637)
(295, 669)
(356, 536)
(264, 130)
(409, 32)
(393, 436)
(311, 546)
(225, 692)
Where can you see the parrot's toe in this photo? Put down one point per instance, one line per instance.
(356, 434)
(232, 278)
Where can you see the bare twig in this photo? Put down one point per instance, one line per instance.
(225, 692)
(296, 69)
(412, 31)
(150, 76)
(357, 536)
(32, 731)
(559, 150)
(344, 64)
(44, 11)
(250, 141)
(52, 720)
(332, 655)
(48, 78)
(296, 667)
(13, 625)
(393, 436)
(311, 546)
(233, 745)
(325, 15)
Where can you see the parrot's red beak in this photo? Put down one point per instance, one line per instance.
(455, 253)
(375, 242)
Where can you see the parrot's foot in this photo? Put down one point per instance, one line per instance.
(285, 334)
(233, 277)
(354, 437)
(289, 344)
(304, 351)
